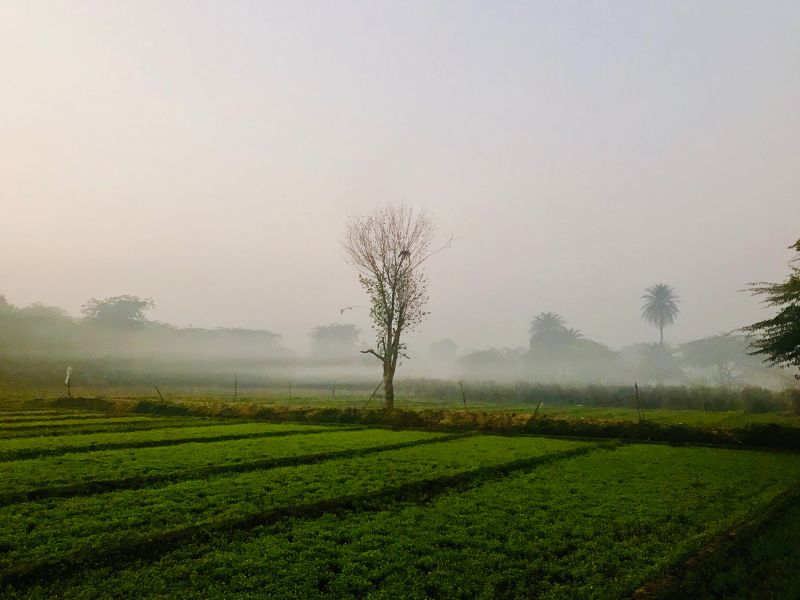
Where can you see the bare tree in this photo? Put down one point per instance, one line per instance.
(388, 249)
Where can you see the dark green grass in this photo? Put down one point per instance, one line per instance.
(32, 447)
(595, 526)
(57, 532)
(135, 424)
(5, 414)
(67, 421)
(60, 418)
(765, 565)
(88, 472)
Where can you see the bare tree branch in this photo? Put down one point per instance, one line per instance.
(375, 354)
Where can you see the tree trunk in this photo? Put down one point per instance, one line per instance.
(661, 332)
(388, 388)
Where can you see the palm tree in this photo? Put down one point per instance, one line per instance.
(549, 328)
(660, 307)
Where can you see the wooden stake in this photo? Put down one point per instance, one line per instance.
(463, 397)
(372, 395)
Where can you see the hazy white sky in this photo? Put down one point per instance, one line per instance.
(208, 154)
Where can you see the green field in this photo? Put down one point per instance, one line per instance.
(96, 506)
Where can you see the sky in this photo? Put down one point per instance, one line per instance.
(209, 154)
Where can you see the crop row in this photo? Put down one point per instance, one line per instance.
(87, 473)
(51, 536)
(46, 413)
(64, 417)
(62, 421)
(139, 424)
(34, 447)
(594, 526)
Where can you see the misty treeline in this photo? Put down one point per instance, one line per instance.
(113, 342)
(559, 354)
(114, 336)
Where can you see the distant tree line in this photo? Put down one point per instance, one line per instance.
(558, 353)
(118, 327)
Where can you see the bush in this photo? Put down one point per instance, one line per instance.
(758, 400)
(794, 400)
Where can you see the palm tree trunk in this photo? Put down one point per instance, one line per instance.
(661, 333)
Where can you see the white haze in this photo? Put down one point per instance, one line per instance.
(208, 155)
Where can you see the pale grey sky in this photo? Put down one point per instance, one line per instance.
(208, 154)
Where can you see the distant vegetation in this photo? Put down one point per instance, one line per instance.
(115, 343)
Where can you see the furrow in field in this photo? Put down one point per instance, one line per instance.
(12, 449)
(101, 486)
(53, 536)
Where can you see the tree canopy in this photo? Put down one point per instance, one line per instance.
(777, 339)
(660, 307)
(125, 310)
(334, 340)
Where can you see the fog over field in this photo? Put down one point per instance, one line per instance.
(209, 156)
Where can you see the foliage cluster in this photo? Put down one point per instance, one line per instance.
(778, 338)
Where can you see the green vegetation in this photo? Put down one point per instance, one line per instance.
(122, 424)
(217, 508)
(778, 338)
(79, 473)
(29, 447)
(765, 565)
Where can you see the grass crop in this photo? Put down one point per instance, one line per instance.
(41, 429)
(766, 567)
(32, 447)
(23, 419)
(88, 472)
(49, 535)
(211, 506)
(593, 526)
(69, 421)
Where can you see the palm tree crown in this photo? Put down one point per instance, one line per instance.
(660, 307)
(549, 328)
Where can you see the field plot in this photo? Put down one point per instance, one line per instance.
(53, 425)
(209, 508)
(30, 447)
